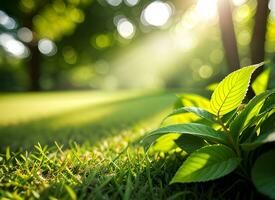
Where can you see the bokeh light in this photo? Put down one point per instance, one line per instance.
(126, 39)
(156, 13)
(205, 71)
(13, 46)
(47, 47)
(244, 37)
(6, 21)
(69, 55)
(242, 14)
(114, 2)
(271, 6)
(125, 28)
(131, 2)
(103, 41)
(25, 34)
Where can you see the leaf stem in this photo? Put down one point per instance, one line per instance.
(229, 137)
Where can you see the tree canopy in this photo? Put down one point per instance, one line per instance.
(62, 44)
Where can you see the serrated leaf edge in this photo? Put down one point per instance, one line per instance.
(256, 67)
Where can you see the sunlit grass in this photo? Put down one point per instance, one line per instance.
(105, 125)
(78, 116)
(97, 155)
(19, 107)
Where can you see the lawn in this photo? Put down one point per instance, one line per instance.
(84, 117)
(86, 145)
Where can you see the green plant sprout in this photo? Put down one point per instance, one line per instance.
(222, 134)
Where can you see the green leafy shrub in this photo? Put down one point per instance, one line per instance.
(219, 136)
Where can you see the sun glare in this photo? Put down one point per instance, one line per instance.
(206, 9)
(239, 2)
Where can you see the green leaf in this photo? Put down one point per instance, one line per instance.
(261, 82)
(186, 99)
(250, 133)
(267, 134)
(71, 192)
(207, 163)
(263, 174)
(192, 100)
(189, 143)
(8, 153)
(269, 103)
(212, 86)
(254, 121)
(166, 143)
(227, 118)
(262, 139)
(194, 129)
(254, 113)
(238, 124)
(178, 103)
(269, 124)
(231, 90)
(182, 118)
(198, 111)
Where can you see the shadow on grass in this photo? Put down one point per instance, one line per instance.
(87, 124)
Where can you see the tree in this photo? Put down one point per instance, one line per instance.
(259, 32)
(228, 34)
(45, 19)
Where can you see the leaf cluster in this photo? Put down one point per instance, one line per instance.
(219, 138)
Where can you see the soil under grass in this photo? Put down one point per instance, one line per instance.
(89, 149)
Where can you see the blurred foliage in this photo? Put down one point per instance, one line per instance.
(86, 50)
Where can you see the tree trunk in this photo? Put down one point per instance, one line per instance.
(34, 70)
(34, 67)
(228, 34)
(258, 38)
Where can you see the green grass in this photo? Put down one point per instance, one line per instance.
(89, 149)
(50, 118)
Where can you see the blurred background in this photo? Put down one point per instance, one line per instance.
(130, 44)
